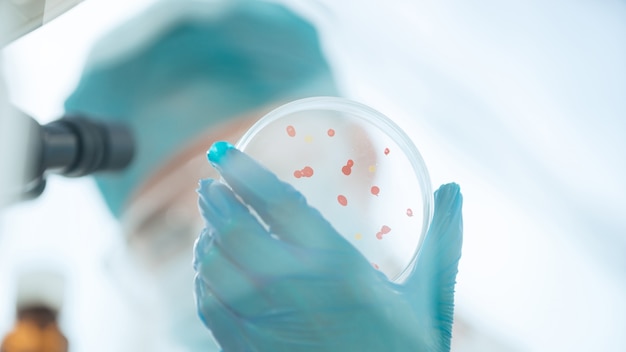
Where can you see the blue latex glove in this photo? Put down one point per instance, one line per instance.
(299, 285)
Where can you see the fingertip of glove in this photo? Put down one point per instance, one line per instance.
(450, 190)
(204, 184)
(448, 196)
(200, 248)
(218, 150)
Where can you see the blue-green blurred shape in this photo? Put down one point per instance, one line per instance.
(202, 64)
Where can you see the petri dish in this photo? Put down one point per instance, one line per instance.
(357, 167)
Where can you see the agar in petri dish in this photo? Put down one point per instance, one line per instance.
(357, 167)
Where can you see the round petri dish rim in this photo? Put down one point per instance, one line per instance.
(370, 116)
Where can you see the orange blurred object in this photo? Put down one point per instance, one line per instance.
(36, 330)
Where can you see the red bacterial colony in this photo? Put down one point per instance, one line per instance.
(383, 231)
(307, 171)
(291, 131)
(375, 266)
(375, 190)
(386, 151)
(331, 132)
(347, 169)
(342, 200)
(409, 212)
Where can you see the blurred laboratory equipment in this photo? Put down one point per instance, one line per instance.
(39, 301)
(72, 146)
(20, 17)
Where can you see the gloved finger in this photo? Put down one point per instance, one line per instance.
(201, 247)
(238, 291)
(247, 291)
(281, 207)
(432, 281)
(241, 237)
(222, 322)
(441, 250)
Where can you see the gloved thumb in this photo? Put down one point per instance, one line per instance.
(431, 284)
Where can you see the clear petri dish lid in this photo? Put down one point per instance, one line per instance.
(357, 167)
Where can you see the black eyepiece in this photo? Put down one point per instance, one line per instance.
(73, 146)
(76, 146)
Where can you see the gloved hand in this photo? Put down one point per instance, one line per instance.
(297, 285)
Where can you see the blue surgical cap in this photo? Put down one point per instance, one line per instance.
(183, 66)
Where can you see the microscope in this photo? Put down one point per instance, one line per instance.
(72, 146)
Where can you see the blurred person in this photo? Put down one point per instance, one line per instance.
(188, 75)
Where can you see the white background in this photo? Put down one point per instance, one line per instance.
(523, 105)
